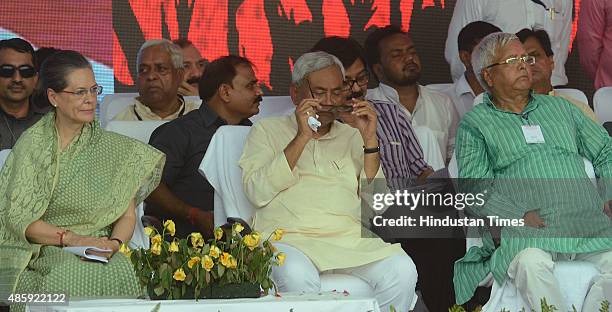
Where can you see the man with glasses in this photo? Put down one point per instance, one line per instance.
(394, 60)
(18, 78)
(308, 181)
(537, 44)
(525, 152)
(160, 73)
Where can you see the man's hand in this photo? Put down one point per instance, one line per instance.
(204, 222)
(306, 108)
(608, 208)
(532, 219)
(186, 89)
(363, 118)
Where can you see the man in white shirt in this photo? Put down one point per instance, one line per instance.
(554, 16)
(466, 88)
(392, 55)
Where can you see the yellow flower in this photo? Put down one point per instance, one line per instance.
(156, 249)
(174, 247)
(157, 239)
(197, 240)
(251, 240)
(124, 249)
(218, 233)
(274, 250)
(281, 258)
(193, 261)
(277, 234)
(214, 251)
(149, 230)
(208, 263)
(170, 227)
(228, 260)
(179, 275)
(237, 227)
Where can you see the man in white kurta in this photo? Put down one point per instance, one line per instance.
(309, 184)
(554, 16)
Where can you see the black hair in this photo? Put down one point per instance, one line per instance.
(20, 46)
(55, 69)
(347, 50)
(220, 71)
(373, 40)
(43, 53)
(472, 33)
(540, 35)
(182, 42)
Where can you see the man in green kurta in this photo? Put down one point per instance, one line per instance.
(525, 152)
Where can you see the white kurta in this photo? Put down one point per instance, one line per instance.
(317, 203)
(512, 16)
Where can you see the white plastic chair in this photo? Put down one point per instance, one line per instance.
(139, 130)
(274, 106)
(431, 150)
(602, 102)
(574, 93)
(220, 167)
(3, 156)
(573, 277)
(113, 104)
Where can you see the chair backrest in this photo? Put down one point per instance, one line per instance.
(139, 130)
(113, 104)
(274, 106)
(431, 150)
(574, 93)
(602, 102)
(220, 167)
(3, 156)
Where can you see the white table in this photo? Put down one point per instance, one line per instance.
(332, 302)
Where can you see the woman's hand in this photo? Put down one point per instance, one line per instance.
(72, 239)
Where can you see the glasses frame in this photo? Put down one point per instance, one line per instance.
(517, 59)
(351, 82)
(345, 90)
(95, 91)
(20, 68)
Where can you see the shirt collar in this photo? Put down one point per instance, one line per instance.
(531, 105)
(33, 109)
(210, 117)
(462, 86)
(145, 109)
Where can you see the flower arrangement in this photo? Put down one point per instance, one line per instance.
(192, 268)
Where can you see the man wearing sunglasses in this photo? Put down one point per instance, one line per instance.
(18, 78)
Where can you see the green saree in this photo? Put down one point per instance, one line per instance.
(84, 188)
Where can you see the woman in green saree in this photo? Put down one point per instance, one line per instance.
(67, 182)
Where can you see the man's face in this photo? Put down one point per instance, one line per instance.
(357, 77)
(399, 62)
(245, 94)
(507, 78)
(16, 89)
(327, 86)
(193, 64)
(158, 80)
(542, 69)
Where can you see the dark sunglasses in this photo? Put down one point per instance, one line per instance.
(26, 71)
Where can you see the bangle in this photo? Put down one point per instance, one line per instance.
(371, 150)
(61, 237)
(117, 240)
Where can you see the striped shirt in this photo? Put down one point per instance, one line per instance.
(492, 151)
(400, 152)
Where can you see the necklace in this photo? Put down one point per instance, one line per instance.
(8, 126)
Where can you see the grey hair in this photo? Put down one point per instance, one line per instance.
(176, 55)
(312, 62)
(486, 52)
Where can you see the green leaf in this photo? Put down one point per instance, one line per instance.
(220, 270)
(159, 290)
(188, 279)
(156, 308)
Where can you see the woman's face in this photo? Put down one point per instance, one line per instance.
(77, 102)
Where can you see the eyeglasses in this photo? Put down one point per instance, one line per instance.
(337, 95)
(361, 80)
(527, 59)
(26, 71)
(335, 108)
(82, 93)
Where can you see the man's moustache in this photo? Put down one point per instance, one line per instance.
(355, 95)
(193, 80)
(258, 99)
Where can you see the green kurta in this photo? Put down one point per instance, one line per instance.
(84, 188)
(519, 177)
